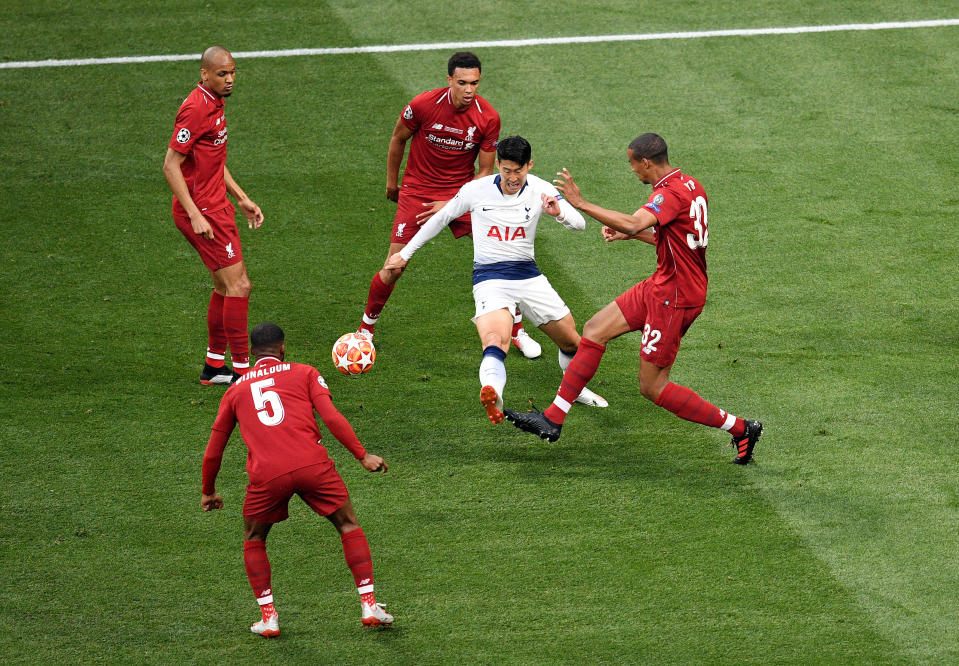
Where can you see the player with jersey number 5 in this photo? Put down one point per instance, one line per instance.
(663, 307)
(448, 130)
(505, 210)
(274, 404)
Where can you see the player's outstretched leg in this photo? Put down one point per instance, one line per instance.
(747, 442)
(492, 376)
(534, 422)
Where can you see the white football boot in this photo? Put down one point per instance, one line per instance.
(527, 345)
(375, 616)
(268, 628)
(587, 397)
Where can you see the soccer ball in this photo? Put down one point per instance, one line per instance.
(353, 354)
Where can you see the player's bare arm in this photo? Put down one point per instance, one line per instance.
(432, 208)
(254, 216)
(373, 463)
(625, 223)
(174, 177)
(394, 157)
(486, 163)
(646, 235)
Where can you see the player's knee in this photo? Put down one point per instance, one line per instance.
(591, 330)
(649, 392)
(390, 276)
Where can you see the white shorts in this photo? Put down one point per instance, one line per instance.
(535, 298)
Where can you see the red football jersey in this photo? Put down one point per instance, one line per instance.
(680, 204)
(446, 140)
(273, 403)
(200, 134)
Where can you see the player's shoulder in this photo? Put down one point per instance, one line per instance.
(483, 106)
(429, 96)
(538, 184)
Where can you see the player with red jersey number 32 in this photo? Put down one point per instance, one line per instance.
(448, 130)
(195, 168)
(663, 306)
(274, 404)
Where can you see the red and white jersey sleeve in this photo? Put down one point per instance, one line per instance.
(680, 204)
(446, 140)
(273, 404)
(200, 133)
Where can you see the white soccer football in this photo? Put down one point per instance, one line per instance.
(353, 354)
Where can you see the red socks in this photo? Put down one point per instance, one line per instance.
(258, 571)
(687, 404)
(216, 335)
(356, 550)
(379, 294)
(581, 369)
(235, 325)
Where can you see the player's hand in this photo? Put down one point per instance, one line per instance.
(254, 216)
(392, 193)
(374, 463)
(395, 263)
(550, 205)
(433, 208)
(569, 188)
(211, 502)
(201, 227)
(610, 235)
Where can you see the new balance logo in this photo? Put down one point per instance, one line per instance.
(365, 581)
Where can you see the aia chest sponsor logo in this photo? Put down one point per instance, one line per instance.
(506, 233)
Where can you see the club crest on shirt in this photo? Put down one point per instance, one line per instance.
(183, 135)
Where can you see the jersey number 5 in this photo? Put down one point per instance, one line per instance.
(263, 399)
(700, 218)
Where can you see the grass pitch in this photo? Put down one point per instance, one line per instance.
(831, 317)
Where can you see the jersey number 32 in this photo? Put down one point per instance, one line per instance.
(700, 218)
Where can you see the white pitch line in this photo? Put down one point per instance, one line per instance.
(446, 46)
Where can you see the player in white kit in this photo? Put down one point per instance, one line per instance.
(505, 209)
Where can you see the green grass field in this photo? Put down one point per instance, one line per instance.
(831, 166)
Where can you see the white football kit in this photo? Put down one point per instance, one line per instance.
(505, 273)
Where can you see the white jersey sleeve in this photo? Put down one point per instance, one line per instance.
(572, 218)
(454, 208)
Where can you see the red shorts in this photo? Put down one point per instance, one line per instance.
(663, 325)
(224, 250)
(410, 205)
(320, 486)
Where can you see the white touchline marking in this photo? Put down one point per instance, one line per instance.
(446, 46)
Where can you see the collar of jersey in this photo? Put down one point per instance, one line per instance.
(663, 179)
(499, 178)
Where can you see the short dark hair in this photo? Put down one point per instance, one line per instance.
(651, 146)
(515, 149)
(463, 60)
(266, 335)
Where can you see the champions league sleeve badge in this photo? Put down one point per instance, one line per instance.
(183, 135)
